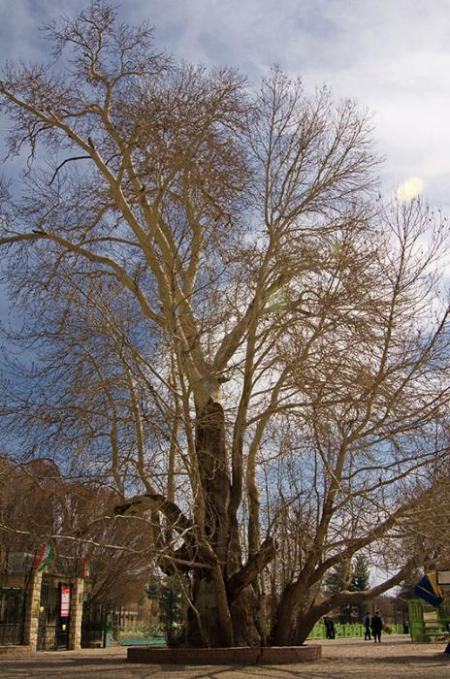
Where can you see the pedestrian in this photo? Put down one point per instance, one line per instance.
(367, 636)
(329, 627)
(377, 627)
(332, 629)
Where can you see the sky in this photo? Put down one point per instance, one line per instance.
(393, 56)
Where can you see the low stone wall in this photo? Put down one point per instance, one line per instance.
(14, 650)
(247, 655)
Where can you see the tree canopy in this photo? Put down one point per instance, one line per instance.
(229, 324)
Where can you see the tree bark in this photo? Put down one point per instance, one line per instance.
(211, 454)
(297, 614)
(225, 607)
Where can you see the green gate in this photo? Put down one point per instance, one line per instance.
(427, 623)
(416, 621)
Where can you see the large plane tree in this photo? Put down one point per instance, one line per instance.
(223, 306)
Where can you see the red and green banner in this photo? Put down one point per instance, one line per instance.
(87, 571)
(44, 556)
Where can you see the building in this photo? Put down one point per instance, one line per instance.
(40, 610)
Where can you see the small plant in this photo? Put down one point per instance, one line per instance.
(154, 629)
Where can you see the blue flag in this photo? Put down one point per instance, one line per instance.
(426, 590)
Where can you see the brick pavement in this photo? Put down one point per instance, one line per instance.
(394, 658)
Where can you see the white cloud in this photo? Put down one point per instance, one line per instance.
(394, 57)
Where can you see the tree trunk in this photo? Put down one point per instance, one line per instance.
(218, 617)
(295, 621)
(205, 625)
(245, 618)
(282, 633)
(292, 622)
(211, 454)
(303, 626)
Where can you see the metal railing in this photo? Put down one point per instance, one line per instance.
(349, 630)
(12, 614)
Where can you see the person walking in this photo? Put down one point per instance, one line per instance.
(377, 627)
(329, 627)
(367, 636)
(332, 629)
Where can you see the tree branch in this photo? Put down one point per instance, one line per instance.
(142, 503)
(248, 573)
(67, 160)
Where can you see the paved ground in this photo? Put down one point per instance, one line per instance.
(394, 658)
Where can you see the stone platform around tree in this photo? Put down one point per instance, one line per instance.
(243, 655)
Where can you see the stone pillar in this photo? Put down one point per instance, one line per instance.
(32, 603)
(76, 614)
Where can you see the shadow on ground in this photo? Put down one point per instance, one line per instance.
(343, 662)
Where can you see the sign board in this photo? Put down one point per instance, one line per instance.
(65, 601)
(443, 577)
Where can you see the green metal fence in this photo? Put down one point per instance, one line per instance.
(137, 640)
(353, 630)
(347, 630)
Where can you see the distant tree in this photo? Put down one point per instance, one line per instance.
(338, 579)
(360, 583)
(72, 517)
(360, 573)
(393, 609)
(352, 577)
(173, 606)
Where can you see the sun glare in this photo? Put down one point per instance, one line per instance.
(409, 189)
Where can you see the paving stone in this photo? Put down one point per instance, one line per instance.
(394, 658)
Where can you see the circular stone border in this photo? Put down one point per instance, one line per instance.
(242, 655)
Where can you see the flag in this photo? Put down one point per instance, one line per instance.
(43, 557)
(428, 590)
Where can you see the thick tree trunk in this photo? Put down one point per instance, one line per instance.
(211, 454)
(224, 611)
(296, 613)
(203, 626)
(245, 618)
(303, 627)
(282, 632)
(289, 632)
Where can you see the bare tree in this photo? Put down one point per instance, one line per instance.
(257, 295)
(77, 519)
